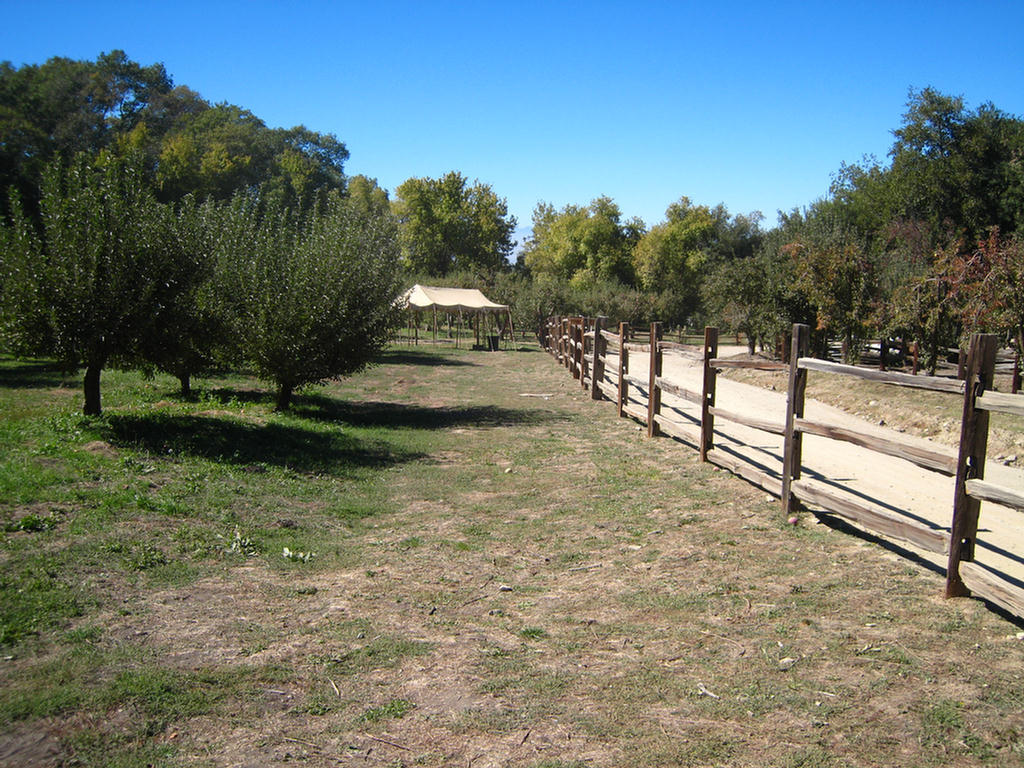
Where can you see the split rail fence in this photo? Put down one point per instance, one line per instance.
(599, 358)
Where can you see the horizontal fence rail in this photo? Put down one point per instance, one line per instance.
(600, 358)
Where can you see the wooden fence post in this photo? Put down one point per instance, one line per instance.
(623, 366)
(578, 347)
(600, 350)
(570, 345)
(981, 363)
(586, 368)
(707, 419)
(793, 447)
(1015, 381)
(654, 393)
(567, 340)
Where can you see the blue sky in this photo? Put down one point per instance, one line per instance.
(754, 105)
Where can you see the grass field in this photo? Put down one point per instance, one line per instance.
(453, 559)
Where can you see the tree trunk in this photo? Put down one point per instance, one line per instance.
(92, 389)
(933, 349)
(284, 398)
(185, 379)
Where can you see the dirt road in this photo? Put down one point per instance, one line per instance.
(893, 483)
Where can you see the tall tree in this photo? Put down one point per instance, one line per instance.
(312, 297)
(217, 151)
(672, 258)
(191, 332)
(367, 196)
(449, 225)
(956, 169)
(104, 272)
(584, 244)
(63, 107)
(835, 271)
(191, 147)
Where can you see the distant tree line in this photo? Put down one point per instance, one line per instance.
(146, 227)
(928, 247)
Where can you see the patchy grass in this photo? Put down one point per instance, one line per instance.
(493, 579)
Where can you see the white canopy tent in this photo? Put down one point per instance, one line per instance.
(454, 300)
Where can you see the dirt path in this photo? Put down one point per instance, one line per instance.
(889, 482)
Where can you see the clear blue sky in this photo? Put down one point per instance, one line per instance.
(754, 105)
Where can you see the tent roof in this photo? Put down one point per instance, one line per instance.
(425, 297)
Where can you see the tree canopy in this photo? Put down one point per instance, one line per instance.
(450, 225)
(103, 273)
(311, 298)
(582, 243)
(63, 107)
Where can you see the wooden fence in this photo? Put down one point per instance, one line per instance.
(586, 347)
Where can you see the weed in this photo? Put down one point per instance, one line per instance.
(379, 653)
(31, 523)
(395, 708)
(943, 727)
(296, 557)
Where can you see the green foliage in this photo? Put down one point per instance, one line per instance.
(671, 254)
(367, 196)
(533, 301)
(394, 709)
(189, 147)
(448, 225)
(901, 257)
(216, 151)
(582, 244)
(192, 334)
(958, 168)
(309, 298)
(104, 274)
(748, 296)
(63, 107)
(834, 270)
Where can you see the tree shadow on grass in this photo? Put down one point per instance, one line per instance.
(236, 442)
(33, 374)
(406, 416)
(412, 357)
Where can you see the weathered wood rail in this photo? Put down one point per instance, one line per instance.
(586, 345)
